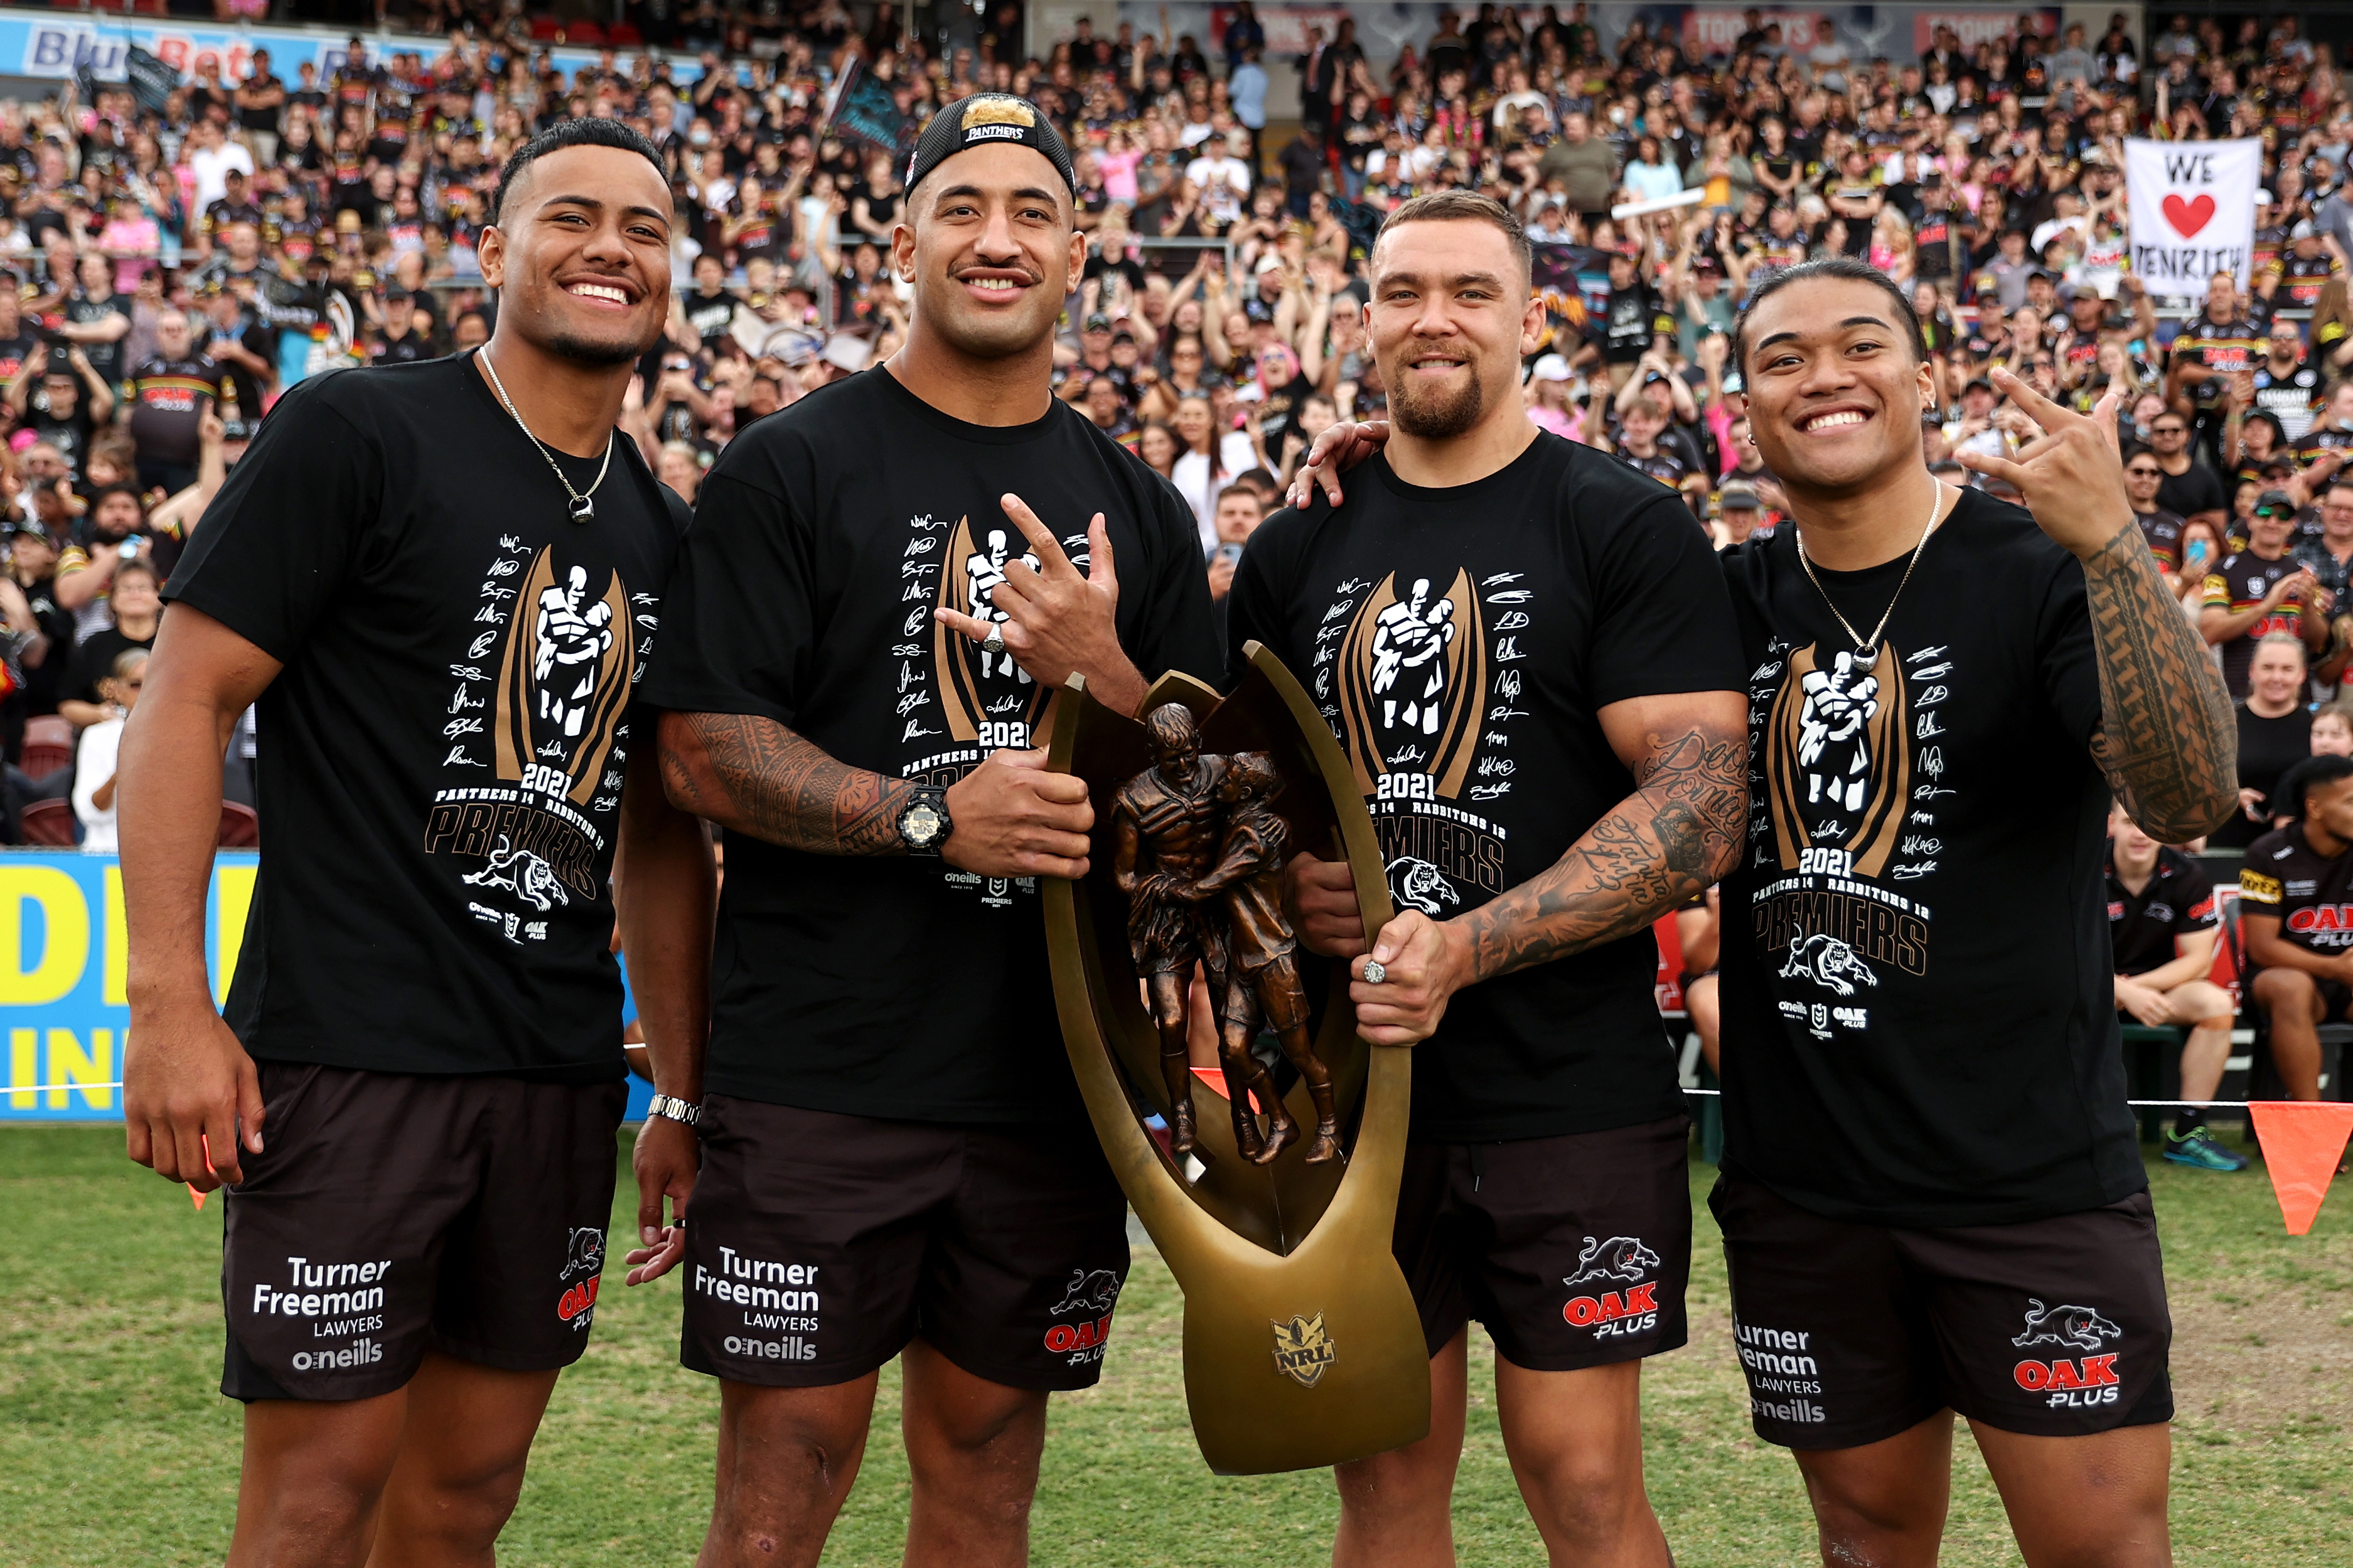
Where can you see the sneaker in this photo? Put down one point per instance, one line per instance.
(2200, 1150)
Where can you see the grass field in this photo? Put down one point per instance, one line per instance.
(115, 1449)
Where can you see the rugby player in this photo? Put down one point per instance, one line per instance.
(1526, 649)
(882, 588)
(438, 580)
(1932, 1196)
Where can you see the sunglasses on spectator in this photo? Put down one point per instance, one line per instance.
(2144, 470)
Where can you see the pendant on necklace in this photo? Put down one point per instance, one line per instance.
(583, 508)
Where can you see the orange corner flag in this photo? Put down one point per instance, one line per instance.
(2302, 1141)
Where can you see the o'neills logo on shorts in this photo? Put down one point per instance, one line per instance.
(1302, 1350)
(359, 1352)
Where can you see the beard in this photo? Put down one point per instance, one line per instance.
(1436, 416)
(600, 353)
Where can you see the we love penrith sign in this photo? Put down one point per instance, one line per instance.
(2192, 210)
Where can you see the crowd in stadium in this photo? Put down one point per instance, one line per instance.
(177, 263)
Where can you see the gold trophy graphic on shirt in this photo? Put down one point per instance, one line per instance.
(1273, 1208)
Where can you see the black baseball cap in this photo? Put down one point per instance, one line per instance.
(983, 118)
(2276, 503)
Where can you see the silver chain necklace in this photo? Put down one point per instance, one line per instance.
(583, 507)
(1867, 650)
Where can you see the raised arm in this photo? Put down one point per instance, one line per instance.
(2168, 738)
(1681, 830)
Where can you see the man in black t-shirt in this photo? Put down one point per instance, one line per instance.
(2295, 911)
(2190, 488)
(882, 587)
(1933, 1198)
(63, 401)
(441, 589)
(1524, 650)
(2163, 925)
(171, 395)
(2160, 528)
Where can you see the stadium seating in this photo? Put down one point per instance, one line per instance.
(47, 823)
(49, 746)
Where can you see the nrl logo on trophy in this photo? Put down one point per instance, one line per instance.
(1302, 1349)
(1287, 1190)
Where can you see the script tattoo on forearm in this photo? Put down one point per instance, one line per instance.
(1676, 834)
(2168, 738)
(751, 774)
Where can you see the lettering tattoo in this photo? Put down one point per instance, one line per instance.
(751, 774)
(1681, 830)
(2168, 738)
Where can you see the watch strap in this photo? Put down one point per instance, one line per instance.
(935, 797)
(670, 1108)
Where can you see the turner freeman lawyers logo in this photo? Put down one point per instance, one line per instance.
(2069, 1382)
(1302, 1350)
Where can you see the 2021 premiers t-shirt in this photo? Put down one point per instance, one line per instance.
(1919, 1022)
(1461, 642)
(441, 758)
(824, 539)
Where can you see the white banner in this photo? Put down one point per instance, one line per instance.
(2193, 211)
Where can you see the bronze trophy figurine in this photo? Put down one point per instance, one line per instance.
(1302, 1345)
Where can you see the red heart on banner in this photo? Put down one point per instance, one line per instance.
(2188, 217)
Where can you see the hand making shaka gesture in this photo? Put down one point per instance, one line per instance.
(2071, 477)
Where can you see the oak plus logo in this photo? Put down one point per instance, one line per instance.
(1088, 1301)
(2069, 1382)
(1611, 1314)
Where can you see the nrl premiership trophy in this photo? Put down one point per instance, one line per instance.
(1302, 1345)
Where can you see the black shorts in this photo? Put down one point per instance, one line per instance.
(389, 1214)
(1851, 1334)
(818, 1244)
(1574, 1251)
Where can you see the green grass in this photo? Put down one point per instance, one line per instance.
(115, 1449)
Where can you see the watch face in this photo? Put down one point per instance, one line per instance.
(921, 824)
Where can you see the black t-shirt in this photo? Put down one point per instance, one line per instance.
(169, 400)
(2267, 749)
(106, 359)
(70, 436)
(2162, 530)
(711, 315)
(1461, 642)
(1919, 1024)
(93, 661)
(2143, 926)
(2311, 894)
(2197, 488)
(15, 352)
(898, 986)
(1627, 322)
(442, 756)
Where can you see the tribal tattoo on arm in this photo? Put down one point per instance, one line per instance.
(2167, 740)
(751, 774)
(1679, 832)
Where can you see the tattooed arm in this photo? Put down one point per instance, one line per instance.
(1681, 830)
(2168, 738)
(1010, 816)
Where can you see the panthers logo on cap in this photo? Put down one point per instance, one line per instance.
(999, 112)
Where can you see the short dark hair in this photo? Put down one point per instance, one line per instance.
(1841, 269)
(2295, 786)
(581, 133)
(143, 567)
(1445, 207)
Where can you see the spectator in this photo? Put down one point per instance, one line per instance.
(2274, 735)
(136, 604)
(2190, 488)
(94, 752)
(61, 403)
(1239, 511)
(2163, 926)
(171, 395)
(1209, 457)
(2160, 528)
(2331, 729)
(2301, 976)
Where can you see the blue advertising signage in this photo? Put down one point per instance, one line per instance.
(64, 962)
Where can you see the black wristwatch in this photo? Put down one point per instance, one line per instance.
(924, 827)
